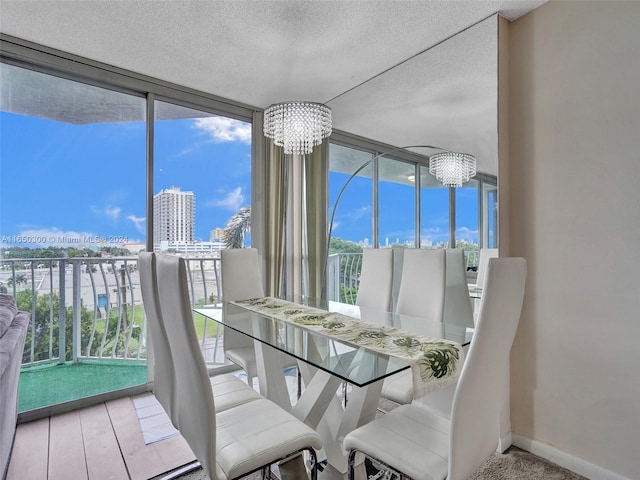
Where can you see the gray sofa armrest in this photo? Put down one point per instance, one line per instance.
(12, 342)
(11, 349)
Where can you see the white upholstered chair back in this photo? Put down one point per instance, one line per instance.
(376, 279)
(422, 284)
(483, 258)
(163, 372)
(476, 404)
(240, 273)
(241, 279)
(458, 308)
(194, 411)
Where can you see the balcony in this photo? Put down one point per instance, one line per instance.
(88, 325)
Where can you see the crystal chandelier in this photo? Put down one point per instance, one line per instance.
(297, 126)
(452, 168)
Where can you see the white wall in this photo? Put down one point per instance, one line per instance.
(574, 213)
(573, 140)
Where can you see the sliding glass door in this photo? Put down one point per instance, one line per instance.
(201, 200)
(72, 217)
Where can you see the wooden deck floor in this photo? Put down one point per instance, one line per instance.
(102, 442)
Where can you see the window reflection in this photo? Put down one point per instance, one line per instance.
(396, 203)
(353, 218)
(434, 211)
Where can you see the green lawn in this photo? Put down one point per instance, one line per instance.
(138, 320)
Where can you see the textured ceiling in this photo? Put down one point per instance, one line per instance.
(401, 72)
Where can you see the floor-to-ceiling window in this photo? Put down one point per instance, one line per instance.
(202, 179)
(79, 181)
(72, 209)
(201, 200)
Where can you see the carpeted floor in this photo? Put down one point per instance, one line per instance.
(511, 465)
(518, 464)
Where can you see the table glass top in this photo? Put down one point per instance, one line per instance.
(357, 365)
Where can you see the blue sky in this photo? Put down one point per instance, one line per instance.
(81, 181)
(60, 180)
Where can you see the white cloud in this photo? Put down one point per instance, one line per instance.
(361, 212)
(112, 212)
(466, 234)
(223, 129)
(233, 200)
(138, 222)
(434, 234)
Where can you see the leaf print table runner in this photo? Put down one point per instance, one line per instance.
(434, 361)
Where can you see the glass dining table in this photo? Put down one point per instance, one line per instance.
(325, 361)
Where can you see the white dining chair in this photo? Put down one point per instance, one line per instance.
(458, 309)
(241, 279)
(484, 256)
(163, 374)
(483, 259)
(229, 390)
(235, 442)
(422, 284)
(421, 294)
(376, 279)
(416, 442)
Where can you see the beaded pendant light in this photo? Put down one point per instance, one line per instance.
(297, 126)
(452, 168)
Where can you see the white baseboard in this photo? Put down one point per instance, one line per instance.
(504, 443)
(566, 460)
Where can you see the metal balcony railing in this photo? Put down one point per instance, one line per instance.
(91, 308)
(343, 274)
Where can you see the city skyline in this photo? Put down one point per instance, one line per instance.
(91, 179)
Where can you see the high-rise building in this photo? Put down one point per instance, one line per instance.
(174, 216)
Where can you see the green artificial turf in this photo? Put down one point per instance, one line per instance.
(45, 385)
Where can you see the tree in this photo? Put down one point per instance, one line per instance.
(42, 331)
(20, 278)
(337, 245)
(237, 227)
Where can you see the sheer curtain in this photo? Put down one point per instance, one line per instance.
(289, 215)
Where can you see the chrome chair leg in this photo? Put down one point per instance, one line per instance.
(387, 473)
(266, 473)
(352, 468)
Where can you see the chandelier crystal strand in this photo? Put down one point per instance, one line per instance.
(297, 126)
(452, 168)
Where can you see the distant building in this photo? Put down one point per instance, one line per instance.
(192, 248)
(135, 248)
(216, 234)
(174, 215)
